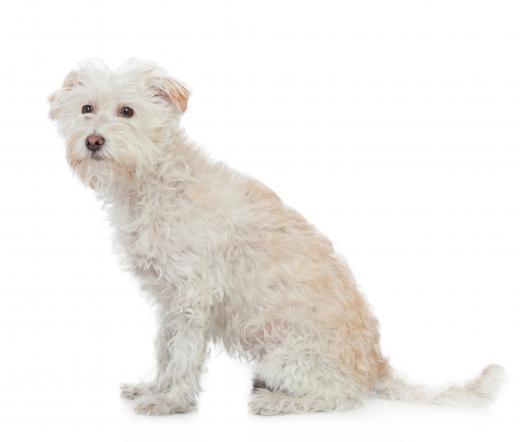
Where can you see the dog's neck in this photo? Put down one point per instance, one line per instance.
(169, 178)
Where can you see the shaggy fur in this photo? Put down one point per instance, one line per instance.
(225, 260)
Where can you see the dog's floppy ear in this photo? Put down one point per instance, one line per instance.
(70, 82)
(171, 90)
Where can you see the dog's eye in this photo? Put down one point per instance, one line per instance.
(126, 112)
(87, 109)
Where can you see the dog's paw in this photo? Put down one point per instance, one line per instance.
(160, 405)
(262, 403)
(133, 391)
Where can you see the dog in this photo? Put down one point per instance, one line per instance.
(224, 260)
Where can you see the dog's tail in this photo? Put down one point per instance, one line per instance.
(479, 391)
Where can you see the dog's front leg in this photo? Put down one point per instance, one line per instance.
(162, 383)
(181, 350)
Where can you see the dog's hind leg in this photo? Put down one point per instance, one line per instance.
(293, 378)
(268, 403)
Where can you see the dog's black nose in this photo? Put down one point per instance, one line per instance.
(94, 142)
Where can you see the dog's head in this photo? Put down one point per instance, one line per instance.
(117, 124)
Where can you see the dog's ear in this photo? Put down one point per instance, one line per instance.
(70, 82)
(171, 90)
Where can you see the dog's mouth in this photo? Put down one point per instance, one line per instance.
(96, 156)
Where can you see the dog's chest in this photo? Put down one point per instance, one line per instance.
(154, 248)
(147, 249)
(171, 245)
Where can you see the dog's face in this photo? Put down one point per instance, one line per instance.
(117, 124)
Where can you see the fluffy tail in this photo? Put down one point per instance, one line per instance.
(477, 392)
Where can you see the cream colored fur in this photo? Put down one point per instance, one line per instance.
(225, 260)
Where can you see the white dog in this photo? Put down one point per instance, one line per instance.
(224, 259)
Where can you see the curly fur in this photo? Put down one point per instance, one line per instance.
(224, 260)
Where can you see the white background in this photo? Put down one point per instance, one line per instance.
(394, 126)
